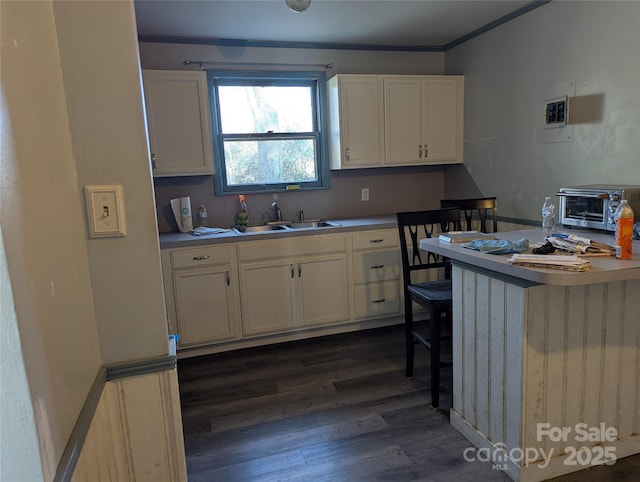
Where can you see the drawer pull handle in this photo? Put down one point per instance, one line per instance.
(200, 258)
(377, 266)
(376, 240)
(381, 300)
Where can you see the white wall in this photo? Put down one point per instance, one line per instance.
(101, 65)
(72, 115)
(44, 236)
(596, 44)
(171, 57)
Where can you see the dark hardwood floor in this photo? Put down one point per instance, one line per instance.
(336, 408)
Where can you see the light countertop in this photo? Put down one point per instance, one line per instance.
(603, 269)
(183, 240)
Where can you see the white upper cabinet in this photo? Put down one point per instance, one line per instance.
(356, 121)
(394, 120)
(179, 122)
(423, 119)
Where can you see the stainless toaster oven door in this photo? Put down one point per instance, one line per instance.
(589, 209)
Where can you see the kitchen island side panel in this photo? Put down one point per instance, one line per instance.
(560, 355)
(488, 321)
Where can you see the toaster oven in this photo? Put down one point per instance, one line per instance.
(594, 206)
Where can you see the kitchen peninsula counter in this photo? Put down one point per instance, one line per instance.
(536, 346)
(603, 268)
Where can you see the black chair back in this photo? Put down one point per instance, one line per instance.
(416, 225)
(476, 207)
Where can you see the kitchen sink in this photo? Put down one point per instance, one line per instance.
(312, 224)
(279, 226)
(259, 229)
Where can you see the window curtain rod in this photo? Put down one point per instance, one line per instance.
(202, 63)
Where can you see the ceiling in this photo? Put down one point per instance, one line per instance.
(392, 24)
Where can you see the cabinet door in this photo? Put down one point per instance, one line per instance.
(361, 127)
(267, 296)
(442, 134)
(179, 123)
(205, 305)
(323, 293)
(403, 120)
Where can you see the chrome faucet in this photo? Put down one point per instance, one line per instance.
(277, 214)
(301, 216)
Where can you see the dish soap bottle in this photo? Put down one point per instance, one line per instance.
(202, 216)
(243, 214)
(548, 217)
(624, 230)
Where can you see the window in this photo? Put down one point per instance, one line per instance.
(268, 131)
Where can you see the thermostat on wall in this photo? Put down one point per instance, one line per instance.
(555, 113)
(553, 116)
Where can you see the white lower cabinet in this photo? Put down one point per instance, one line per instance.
(239, 294)
(205, 310)
(267, 297)
(377, 273)
(201, 294)
(293, 292)
(322, 290)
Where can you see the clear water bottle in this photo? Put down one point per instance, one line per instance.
(202, 216)
(548, 216)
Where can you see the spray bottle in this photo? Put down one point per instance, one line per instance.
(243, 214)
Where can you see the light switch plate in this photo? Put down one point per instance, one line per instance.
(105, 211)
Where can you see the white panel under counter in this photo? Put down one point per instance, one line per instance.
(538, 346)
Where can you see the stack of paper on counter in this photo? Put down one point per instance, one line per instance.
(564, 262)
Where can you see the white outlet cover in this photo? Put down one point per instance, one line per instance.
(105, 211)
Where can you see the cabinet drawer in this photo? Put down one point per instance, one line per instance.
(377, 300)
(376, 266)
(203, 256)
(292, 247)
(376, 239)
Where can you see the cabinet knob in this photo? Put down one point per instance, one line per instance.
(153, 160)
(380, 300)
(346, 153)
(419, 151)
(376, 240)
(200, 258)
(377, 266)
(426, 150)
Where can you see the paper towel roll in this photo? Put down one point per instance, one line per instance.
(181, 208)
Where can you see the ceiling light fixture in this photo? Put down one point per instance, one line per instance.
(298, 6)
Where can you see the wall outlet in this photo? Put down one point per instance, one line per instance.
(105, 211)
(365, 193)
